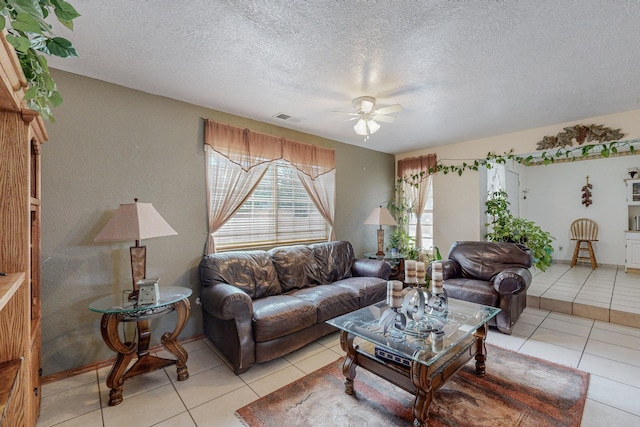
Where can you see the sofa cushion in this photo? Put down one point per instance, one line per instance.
(251, 271)
(370, 289)
(281, 315)
(296, 266)
(330, 301)
(483, 260)
(478, 291)
(334, 259)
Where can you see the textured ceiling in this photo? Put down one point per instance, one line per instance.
(460, 69)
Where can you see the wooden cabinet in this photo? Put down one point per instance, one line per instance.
(21, 133)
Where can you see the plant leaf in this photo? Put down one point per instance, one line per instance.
(20, 43)
(61, 47)
(26, 23)
(65, 13)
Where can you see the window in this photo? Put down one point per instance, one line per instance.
(279, 211)
(426, 221)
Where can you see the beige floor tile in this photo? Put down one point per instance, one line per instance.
(304, 352)
(137, 385)
(198, 360)
(598, 414)
(220, 412)
(554, 353)
(67, 384)
(317, 361)
(523, 329)
(510, 342)
(261, 370)
(56, 408)
(581, 330)
(207, 385)
(181, 420)
(145, 409)
(567, 318)
(279, 379)
(613, 393)
(92, 419)
(615, 338)
(574, 342)
(620, 329)
(611, 369)
(619, 353)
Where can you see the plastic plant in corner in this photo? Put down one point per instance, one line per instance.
(27, 30)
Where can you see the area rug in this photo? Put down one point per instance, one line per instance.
(517, 390)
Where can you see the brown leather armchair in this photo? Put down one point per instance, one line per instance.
(489, 273)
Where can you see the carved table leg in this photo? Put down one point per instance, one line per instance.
(170, 340)
(481, 355)
(424, 393)
(125, 351)
(348, 366)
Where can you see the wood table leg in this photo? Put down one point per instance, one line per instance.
(481, 354)
(125, 351)
(349, 365)
(170, 340)
(424, 393)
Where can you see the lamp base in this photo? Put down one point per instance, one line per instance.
(138, 267)
(380, 242)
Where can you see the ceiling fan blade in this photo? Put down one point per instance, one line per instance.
(390, 109)
(383, 118)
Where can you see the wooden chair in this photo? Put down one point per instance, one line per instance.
(584, 230)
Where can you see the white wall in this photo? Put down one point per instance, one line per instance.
(554, 198)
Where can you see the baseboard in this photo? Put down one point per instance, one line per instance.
(103, 363)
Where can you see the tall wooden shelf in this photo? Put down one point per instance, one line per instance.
(21, 133)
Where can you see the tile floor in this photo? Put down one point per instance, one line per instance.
(609, 351)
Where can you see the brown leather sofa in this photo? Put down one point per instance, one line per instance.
(489, 273)
(260, 305)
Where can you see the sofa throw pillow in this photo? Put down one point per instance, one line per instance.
(251, 271)
(296, 266)
(335, 260)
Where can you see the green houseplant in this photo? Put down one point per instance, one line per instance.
(504, 227)
(28, 31)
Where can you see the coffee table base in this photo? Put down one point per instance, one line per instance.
(420, 380)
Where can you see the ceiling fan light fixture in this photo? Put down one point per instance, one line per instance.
(373, 126)
(361, 127)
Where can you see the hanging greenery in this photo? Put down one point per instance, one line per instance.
(545, 158)
(30, 34)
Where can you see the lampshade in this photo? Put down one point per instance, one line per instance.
(135, 221)
(380, 216)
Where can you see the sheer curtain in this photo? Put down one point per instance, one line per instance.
(237, 159)
(317, 171)
(416, 175)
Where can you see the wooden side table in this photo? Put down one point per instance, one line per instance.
(395, 261)
(117, 309)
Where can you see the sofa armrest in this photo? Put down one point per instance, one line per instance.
(512, 280)
(450, 269)
(371, 268)
(226, 302)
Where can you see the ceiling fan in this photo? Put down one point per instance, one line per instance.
(367, 115)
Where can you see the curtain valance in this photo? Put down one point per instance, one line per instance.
(417, 167)
(248, 149)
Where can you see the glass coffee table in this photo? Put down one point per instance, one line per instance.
(418, 360)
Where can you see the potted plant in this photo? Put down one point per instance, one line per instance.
(504, 227)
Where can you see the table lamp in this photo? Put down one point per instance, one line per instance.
(135, 221)
(380, 216)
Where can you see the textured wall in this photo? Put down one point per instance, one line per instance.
(110, 144)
